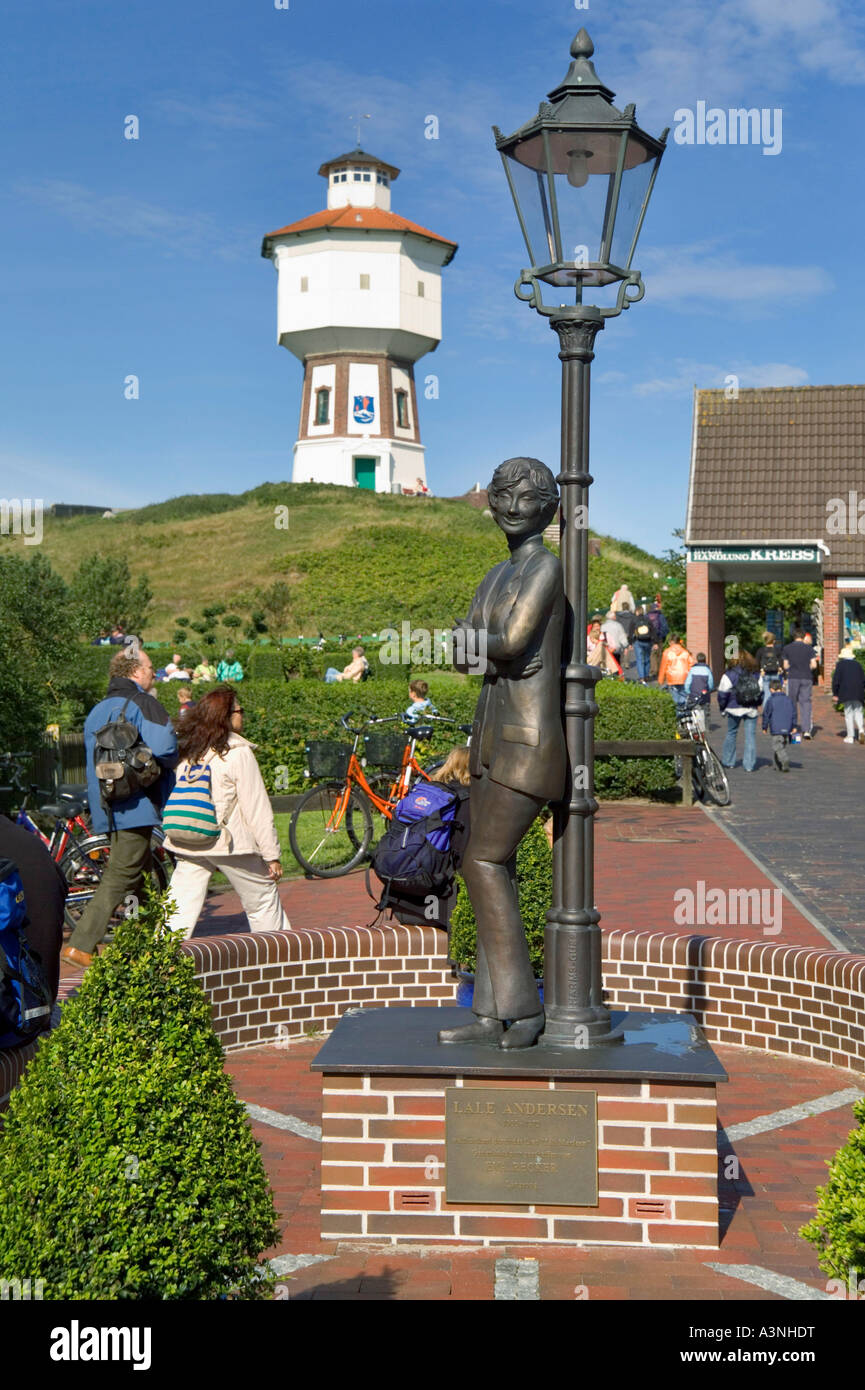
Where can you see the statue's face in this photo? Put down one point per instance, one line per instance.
(518, 509)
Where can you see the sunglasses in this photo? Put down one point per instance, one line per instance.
(238, 709)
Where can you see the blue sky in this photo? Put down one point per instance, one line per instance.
(142, 257)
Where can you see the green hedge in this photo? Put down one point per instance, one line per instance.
(631, 711)
(837, 1231)
(282, 716)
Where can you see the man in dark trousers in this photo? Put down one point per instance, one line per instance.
(799, 662)
(518, 758)
(45, 891)
(131, 679)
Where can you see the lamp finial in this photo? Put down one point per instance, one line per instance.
(582, 46)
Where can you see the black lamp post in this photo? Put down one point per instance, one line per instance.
(581, 174)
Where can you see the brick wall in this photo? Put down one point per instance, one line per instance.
(383, 1167)
(795, 1000)
(272, 986)
(706, 615)
(831, 625)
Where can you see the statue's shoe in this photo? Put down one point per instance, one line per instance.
(523, 1032)
(482, 1030)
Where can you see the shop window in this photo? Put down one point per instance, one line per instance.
(853, 620)
(322, 406)
(402, 410)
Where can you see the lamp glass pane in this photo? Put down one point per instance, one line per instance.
(531, 191)
(635, 183)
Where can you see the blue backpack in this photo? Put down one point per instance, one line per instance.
(414, 855)
(25, 998)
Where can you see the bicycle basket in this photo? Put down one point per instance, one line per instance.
(384, 750)
(325, 758)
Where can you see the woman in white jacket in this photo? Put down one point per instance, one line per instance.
(247, 850)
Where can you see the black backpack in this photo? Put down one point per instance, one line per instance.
(644, 632)
(748, 691)
(124, 764)
(771, 663)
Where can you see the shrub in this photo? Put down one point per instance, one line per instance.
(535, 883)
(837, 1231)
(127, 1167)
(630, 711)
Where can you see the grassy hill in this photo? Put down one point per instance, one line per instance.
(355, 560)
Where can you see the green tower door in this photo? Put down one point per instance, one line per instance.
(364, 473)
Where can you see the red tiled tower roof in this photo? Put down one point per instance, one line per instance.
(357, 219)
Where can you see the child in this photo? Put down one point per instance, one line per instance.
(778, 717)
(418, 692)
(184, 699)
(699, 684)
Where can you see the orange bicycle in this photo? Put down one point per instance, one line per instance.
(331, 827)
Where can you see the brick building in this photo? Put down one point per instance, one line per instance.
(777, 475)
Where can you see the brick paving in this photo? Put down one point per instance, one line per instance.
(804, 826)
(762, 1208)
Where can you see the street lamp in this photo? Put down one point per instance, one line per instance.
(581, 174)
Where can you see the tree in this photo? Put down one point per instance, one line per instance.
(276, 602)
(104, 594)
(38, 627)
(127, 1167)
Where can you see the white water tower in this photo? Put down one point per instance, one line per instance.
(358, 302)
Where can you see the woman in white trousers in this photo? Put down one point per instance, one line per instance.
(247, 850)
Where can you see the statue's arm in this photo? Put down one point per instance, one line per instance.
(527, 615)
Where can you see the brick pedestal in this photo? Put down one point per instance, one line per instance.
(385, 1080)
(383, 1173)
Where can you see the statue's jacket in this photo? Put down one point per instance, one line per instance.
(518, 735)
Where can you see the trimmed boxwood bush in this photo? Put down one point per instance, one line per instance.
(127, 1166)
(837, 1231)
(535, 883)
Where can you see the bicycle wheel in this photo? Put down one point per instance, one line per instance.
(83, 865)
(712, 776)
(328, 836)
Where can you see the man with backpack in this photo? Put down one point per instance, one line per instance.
(643, 639)
(131, 748)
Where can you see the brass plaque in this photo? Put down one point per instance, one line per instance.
(521, 1146)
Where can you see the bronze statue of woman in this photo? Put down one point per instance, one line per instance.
(518, 756)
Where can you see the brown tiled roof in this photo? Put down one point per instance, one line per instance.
(765, 466)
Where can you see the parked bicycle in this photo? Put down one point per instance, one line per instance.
(710, 779)
(80, 853)
(331, 828)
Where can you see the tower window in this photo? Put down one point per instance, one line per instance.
(402, 409)
(420, 289)
(304, 284)
(364, 282)
(382, 179)
(322, 406)
(362, 176)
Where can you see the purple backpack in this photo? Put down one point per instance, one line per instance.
(414, 854)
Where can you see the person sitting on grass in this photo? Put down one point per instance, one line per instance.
(778, 717)
(354, 671)
(204, 671)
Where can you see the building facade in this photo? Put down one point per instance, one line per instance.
(359, 302)
(777, 493)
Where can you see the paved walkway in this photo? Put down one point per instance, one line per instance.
(804, 827)
(763, 1203)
